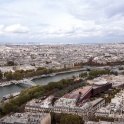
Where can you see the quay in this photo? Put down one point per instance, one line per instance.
(13, 94)
(74, 70)
(5, 84)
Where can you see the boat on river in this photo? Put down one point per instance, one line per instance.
(53, 74)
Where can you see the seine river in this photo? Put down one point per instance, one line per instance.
(41, 81)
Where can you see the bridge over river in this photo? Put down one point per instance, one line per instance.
(25, 81)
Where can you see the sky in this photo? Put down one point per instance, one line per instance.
(61, 21)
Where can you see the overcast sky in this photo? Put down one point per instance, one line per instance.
(62, 21)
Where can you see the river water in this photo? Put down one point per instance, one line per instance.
(41, 81)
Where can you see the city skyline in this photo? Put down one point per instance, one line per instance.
(67, 21)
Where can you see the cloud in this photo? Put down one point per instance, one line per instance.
(1, 30)
(66, 18)
(16, 28)
(1, 27)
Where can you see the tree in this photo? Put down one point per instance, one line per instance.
(114, 72)
(8, 107)
(1, 75)
(64, 118)
(17, 76)
(70, 119)
(90, 77)
(2, 102)
(8, 75)
(83, 74)
(74, 77)
(10, 63)
(11, 97)
(121, 68)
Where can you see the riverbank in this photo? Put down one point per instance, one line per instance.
(57, 73)
(39, 81)
(7, 83)
(6, 97)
